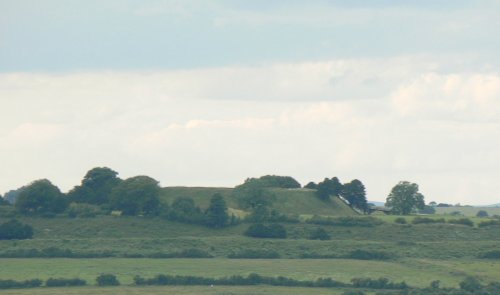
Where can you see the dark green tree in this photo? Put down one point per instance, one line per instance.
(252, 194)
(216, 214)
(15, 230)
(3, 202)
(136, 195)
(183, 209)
(96, 186)
(319, 234)
(41, 196)
(311, 185)
(482, 213)
(405, 198)
(354, 192)
(329, 187)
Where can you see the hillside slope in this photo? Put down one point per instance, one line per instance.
(290, 201)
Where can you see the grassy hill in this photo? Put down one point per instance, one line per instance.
(290, 201)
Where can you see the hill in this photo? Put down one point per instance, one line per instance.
(289, 201)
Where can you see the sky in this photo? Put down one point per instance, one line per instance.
(208, 93)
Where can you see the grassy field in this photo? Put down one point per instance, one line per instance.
(409, 270)
(468, 211)
(179, 290)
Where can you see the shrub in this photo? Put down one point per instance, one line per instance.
(470, 284)
(15, 230)
(60, 282)
(368, 255)
(260, 230)
(255, 254)
(381, 283)
(11, 284)
(482, 213)
(107, 280)
(346, 221)
(319, 234)
(83, 210)
(463, 221)
(426, 220)
(489, 223)
(400, 220)
(494, 254)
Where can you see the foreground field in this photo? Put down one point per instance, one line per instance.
(416, 272)
(179, 290)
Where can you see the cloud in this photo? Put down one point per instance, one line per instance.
(379, 120)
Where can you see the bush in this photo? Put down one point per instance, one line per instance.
(59, 282)
(260, 230)
(426, 220)
(381, 283)
(482, 213)
(369, 255)
(107, 280)
(188, 253)
(400, 220)
(15, 230)
(489, 223)
(353, 292)
(346, 221)
(83, 210)
(319, 234)
(494, 254)
(470, 284)
(255, 254)
(463, 221)
(11, 284)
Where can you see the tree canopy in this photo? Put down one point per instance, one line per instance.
(329, 187)
(354, 192)
(405, 198)
(216, 214)
(252, 194)
(136, 195)
(41, 196)
(96, 186)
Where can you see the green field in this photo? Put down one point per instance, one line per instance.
(468, 211)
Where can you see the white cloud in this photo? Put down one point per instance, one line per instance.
(379, 120)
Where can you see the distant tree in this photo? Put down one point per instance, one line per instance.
(216, 214)
(15, 230)
(183, 209)
(107, 280)
(3, 202)
(11, 195)
(433, 204)
(311, 185)
(136, 195)
(354, 192)
(96, 186)
(428, 210)
(274, 230)
(319, 234)
(252, 194)
(329, 187)
(275, 181)
(405, 198)
(470, 284)
(41, 196)
(482, 213)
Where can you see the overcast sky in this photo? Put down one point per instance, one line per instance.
(208, 93)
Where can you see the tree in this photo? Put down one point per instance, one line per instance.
(329, 187)
(184, 209)
(275, 181)
(311, 185)
(136, 195)
(252, 195)
(482, 213)
(405, 198)
(41, 196)
(319, 234)
(107, 280)
(216, 214)
(14, 229)
(96, 186)
(354, 192)
(3, 202)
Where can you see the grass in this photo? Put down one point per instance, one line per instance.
(416, 272)
(468, 211)
(179, 290)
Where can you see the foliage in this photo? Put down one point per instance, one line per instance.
(329, 187)
(494, 254)
(83, 210)
(319, 234)
(489, 223)
(482, 213)
(400, 220)
(96, 186)
(136, 195)
(183, 209)
(252, 194)
(216, 214)
(346, 221)
(311, 185)
(259, 230)
(427, 210)
(255, 254)
(11, 284)
(470, 284)
(421, 220)
(354, 192)
(61, 282)
(462, 221)
(381, 283)
(15, 230)
(275, 181)
(12, 195)
(107, 280)
(405, 198)
(39, 197)
(369, 255)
